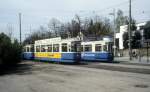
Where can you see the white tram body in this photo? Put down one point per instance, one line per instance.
(28, 52)
(57, 50)
(69, 50)
(97, 50)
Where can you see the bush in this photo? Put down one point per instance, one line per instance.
(10, 53)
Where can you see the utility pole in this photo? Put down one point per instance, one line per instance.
(114, 32)
(20, 26)
(80, 33)
(130, 49)
(114, 29)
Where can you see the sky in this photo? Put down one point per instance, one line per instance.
(39, 12)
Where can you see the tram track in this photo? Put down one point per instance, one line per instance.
(121, 67)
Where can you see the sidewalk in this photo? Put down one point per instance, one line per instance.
(134, 60)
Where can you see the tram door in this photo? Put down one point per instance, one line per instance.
(76, 47)
(110, 47)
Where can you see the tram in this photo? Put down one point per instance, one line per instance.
(69, 50)
(57, 50)
(28, 52)
(97, 50)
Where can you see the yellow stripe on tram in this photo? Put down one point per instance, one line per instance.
(47, 55)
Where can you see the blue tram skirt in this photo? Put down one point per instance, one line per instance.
(96, 56)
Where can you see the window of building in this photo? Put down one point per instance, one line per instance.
(55, 47)
(98, 47)
(88, 48)
(37, 48)
(64, 47)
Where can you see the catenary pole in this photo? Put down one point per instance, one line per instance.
(114, 12)
(114, 30)
(130, 49)
(20, 26)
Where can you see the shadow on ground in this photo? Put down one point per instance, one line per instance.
(19, 69)
(81, 63)
(77, 63)
(63, 63)
(112, 62)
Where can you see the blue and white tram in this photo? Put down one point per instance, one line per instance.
(69, 50)
(97, 51)
(28, 52)
(58, 50)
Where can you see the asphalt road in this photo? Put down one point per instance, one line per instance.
(122, 67)
(48, 77)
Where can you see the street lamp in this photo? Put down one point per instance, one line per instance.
(114, 29)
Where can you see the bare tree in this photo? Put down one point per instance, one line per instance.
(54, 25)
(78, 24)
(121, 20)
(89, 26)
(10, 30)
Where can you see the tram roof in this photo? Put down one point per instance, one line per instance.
(70, 39)
(56, 40)
(93, 42)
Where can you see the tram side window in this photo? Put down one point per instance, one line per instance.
(64, 47)
(55, 47)
(104, 47)
(81, 48)
(98, 47)
(28, 49)
(43, 48)
(32, 49)
(69, 48)
(49, 48)
(73, 47)
(24, 49)
(88, 48)
(37, 48)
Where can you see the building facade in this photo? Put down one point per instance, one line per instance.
(123, 29)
